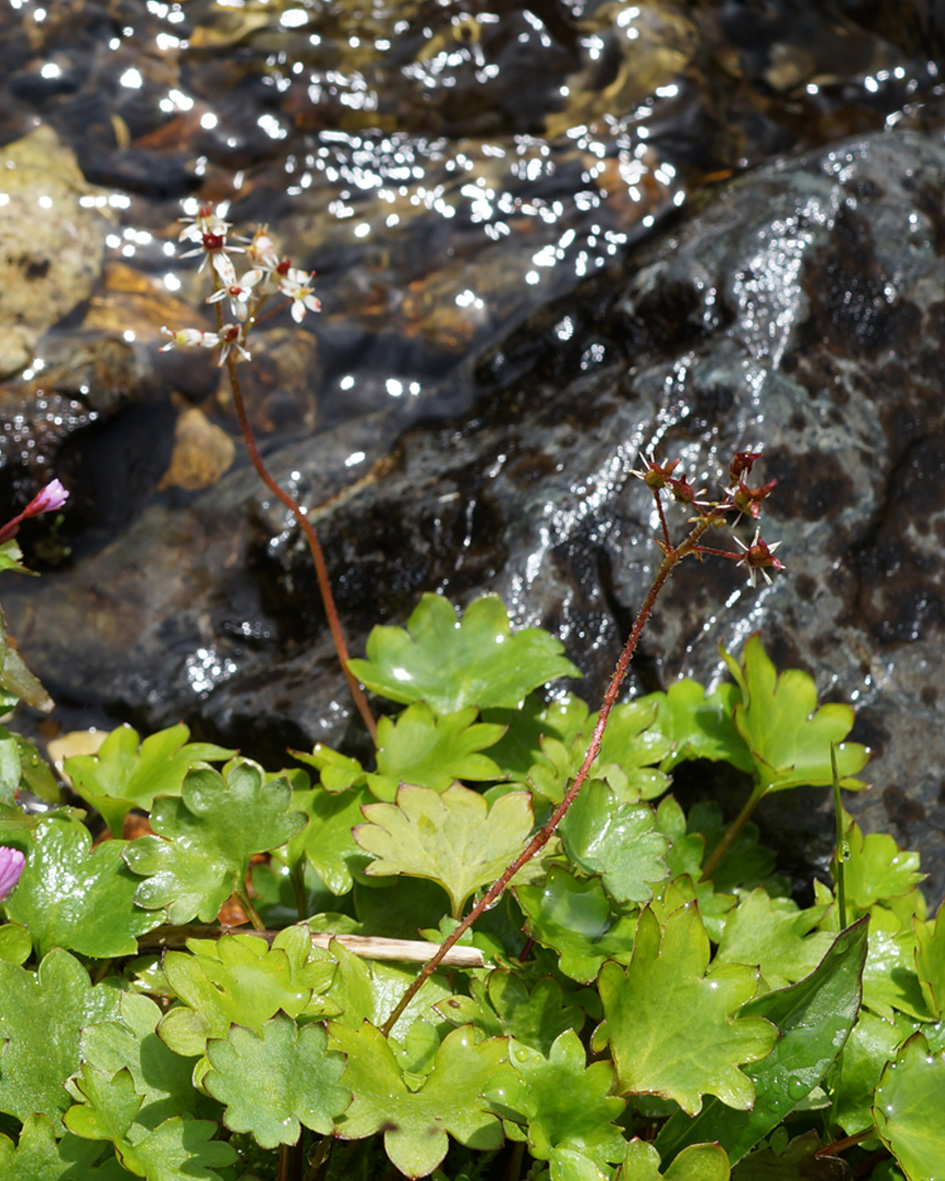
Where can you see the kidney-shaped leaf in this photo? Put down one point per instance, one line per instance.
(275, 1081)
(416, 1123)
(453, 838)
(57, 1001)
(206, 838)
(75, 897)
(451, 665)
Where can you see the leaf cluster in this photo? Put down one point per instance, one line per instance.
(648, 1001)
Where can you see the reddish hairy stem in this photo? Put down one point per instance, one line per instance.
(321, 571)
(672, 557)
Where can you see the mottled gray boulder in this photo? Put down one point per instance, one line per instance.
(799, 309)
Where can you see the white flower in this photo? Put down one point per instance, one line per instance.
(237, 293)
(231, 336)
(189, 338)
(206, 221)
(261, 250)
(296, 285)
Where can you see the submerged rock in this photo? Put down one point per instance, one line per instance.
(800, 309)
(52, 241)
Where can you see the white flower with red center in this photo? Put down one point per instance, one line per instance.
(204, 222)
(231, 336)
(297, 285)
(237, 293)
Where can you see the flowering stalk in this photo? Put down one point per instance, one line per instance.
(245, 296)
(710, 515)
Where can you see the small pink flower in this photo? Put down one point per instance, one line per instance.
(52, 497)
(11, 866)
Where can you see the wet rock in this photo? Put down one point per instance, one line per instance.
(51, 242)
(801, 309)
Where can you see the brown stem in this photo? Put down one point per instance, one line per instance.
(321, 571)
(671, 558)
(729, 836)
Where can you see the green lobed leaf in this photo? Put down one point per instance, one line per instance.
(277, 1080)
(814, 1018)
(503, 1004)
(672, 1026)
(176, 1150)
(618, 841)
(416, 1123)
(39, 1156)
(872, 1043)
(699, 725)
(908, 1109)
(578, 921)
(125, 775)
(160, 1077)
(788, 736)
(563, 1103)
(519, 748)
(205, 839)
(775, 934)
(420, 748)
(699, 1162)
(626, 761)
(452, 837)
(59, 1001)
(241, 980)
(337, 771)
(451, 665)
(890, 980)
(327, 841)
(929, 959)
(876, 869)
(73, 896)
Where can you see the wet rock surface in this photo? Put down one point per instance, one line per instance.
(800, 309)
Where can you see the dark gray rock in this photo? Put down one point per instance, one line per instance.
(800, 309)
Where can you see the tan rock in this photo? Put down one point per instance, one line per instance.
(51, 241)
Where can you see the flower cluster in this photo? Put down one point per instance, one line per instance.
(739, 498)
(241, 296)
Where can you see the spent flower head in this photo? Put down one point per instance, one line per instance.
(759, 558)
